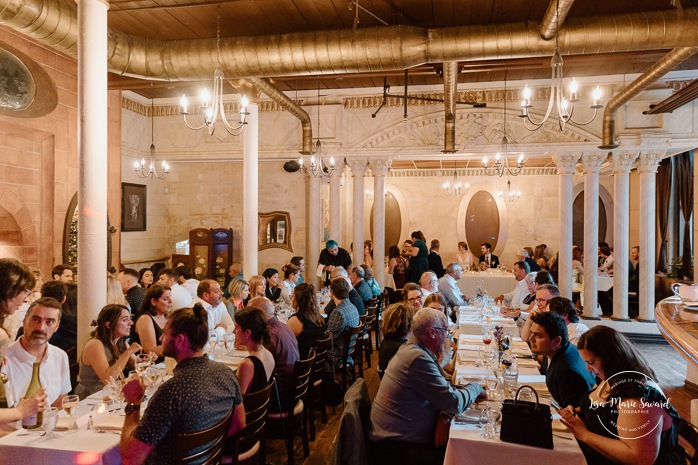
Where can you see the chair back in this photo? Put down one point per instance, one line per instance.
(256, 409)
(688, 436)
(385, 296)
(351, 339)
(322, 346)
(212, 438)
(352, 441)
(301, 377)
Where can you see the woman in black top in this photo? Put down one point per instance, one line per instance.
(307, 324)
(397, 321)
(151, 319)
(273, 290)
(251, 330)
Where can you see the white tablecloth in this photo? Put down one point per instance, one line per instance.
(469, 324)
(495, 283)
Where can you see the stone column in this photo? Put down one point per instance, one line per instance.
(336, 203)
(358, 166)
(566, 163)
(622, 163)
(591, 162)
(92, 162)
(379, 168)
(314, 229)
(647, 165)
(250, 192)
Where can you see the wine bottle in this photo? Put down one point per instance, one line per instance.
(3, 392)
(33, 421)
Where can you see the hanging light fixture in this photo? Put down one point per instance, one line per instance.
(152, 170)
(457, 188)
(510, 195)
(212, 105)
(501, 159)
(564, 106)
(316, 168)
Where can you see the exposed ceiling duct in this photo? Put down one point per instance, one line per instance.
(450, 90)
(555, 15)
(659, 69)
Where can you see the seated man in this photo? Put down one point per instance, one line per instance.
(180, 296)
(345, 315)
(354, 297)
(567, 376)
(356, 276)
(488, 259)
(411, 414)
(448, 286)
(429, 283)
(515, 298)
(199, 395)
(210, 297)
(41, 321)
(522, 255)
(566, 309)
(133, 292)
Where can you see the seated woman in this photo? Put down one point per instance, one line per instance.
(397, 322)
(151, 319)
(146, 277)
(621, 432)
(371, 281)
(291, 275)
(465, 257)
(412, 294)
(258, 286)
(368, 253)
(307, 324)
(107, 353)
(115, 294)
(251, 330)
(239, 291)
(273, 291)
(566, 309)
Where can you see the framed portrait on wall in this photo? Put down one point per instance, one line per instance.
(133, 206)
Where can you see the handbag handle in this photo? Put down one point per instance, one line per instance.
(516, 399)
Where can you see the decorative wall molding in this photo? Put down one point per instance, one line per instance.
(464, 172)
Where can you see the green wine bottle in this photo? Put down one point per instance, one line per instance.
(33, 421)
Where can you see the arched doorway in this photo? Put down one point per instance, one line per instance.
(578, 220)
(70, 236)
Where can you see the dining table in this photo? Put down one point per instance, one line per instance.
(494, 281)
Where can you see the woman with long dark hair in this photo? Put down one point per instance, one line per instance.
(307, 323)
(107, 353)
(251, 330)
(397, 267)
(273, 291)
(151, 319)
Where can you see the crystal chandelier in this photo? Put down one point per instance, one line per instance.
(152, 170)
(212, 106)
(317, 167)
(501, 159)
(564, 106)
(457, 188)
(510, 195)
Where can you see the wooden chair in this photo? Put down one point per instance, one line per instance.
(212, 438)
(688, 436)
(366, 347)
(248, 445)
(322, 347)
(377, 320)
(351, 340)
(293, 421)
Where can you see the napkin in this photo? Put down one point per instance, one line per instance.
(532, 380)
(110, 422)
(470, 347)
(474, 372)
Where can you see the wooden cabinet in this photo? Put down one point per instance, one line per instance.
(211, 253)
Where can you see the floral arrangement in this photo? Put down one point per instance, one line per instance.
(501, 341)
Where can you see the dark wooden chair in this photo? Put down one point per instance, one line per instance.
(351, 342)
(294, 421)
(688, 440)
(377, 320)
(322, 347)
(212, 438)
(248, 445)
(366, 345)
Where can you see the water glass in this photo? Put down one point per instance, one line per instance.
(511, 380)
(491, 387)
(50, 421)
(487, 419)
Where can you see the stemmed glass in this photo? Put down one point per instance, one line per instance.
(50, 421)
(69, 404)
(487, 420)
(213, 342)
(229, 342)
(143, 362)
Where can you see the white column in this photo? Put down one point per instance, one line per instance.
(358, 166)
(379, 168)
(250, 192)
(336, 204)
(566, 163)
(622, 162)
(647, 165)
(314, 229)
(92, 161)
(591, 163)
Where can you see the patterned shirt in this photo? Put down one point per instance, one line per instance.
(199, 395)
(344, 316)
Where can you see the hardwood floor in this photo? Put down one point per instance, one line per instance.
(669, 366)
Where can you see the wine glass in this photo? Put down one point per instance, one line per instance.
(50, 421)
(69, 404)
(213, 342)
(229, 342)
(143, 362)
(486, 335)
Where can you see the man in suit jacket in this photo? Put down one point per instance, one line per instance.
(435, 263)
(487, 257)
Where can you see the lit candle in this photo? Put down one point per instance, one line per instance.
(597, 95)
(244, 102)
(183, 102)
(573, 90)
(204, 98)
(484, 161)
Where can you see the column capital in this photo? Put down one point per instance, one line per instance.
(380, 166)
(592, 161)
(358, 166)
(566, 162)
(648, 161)
(622, 161)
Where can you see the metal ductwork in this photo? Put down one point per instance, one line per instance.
(264, 85)
(54, 23)
(659, 69)
(450, 90)
(554, 17)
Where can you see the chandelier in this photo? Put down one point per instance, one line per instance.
(457, 188)
(212, 105)
(501, 159)
(152, 170)
(564, 106)
(319, 167)
(510, 195)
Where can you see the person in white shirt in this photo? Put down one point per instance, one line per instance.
(180, 296)
(187, 281)
(544, 294)
(515, 298)
(448, 286)
(41, 321)
(566, 309)
(429, 283)
(210, 296)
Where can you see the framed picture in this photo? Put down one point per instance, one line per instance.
(133, 206)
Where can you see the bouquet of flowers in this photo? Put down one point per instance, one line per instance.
(501, 340)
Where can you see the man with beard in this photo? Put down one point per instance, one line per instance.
(199, 395)
(41, 321)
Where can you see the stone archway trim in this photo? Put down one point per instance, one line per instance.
(21, 215)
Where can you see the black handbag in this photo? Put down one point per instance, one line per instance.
(528, 423)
